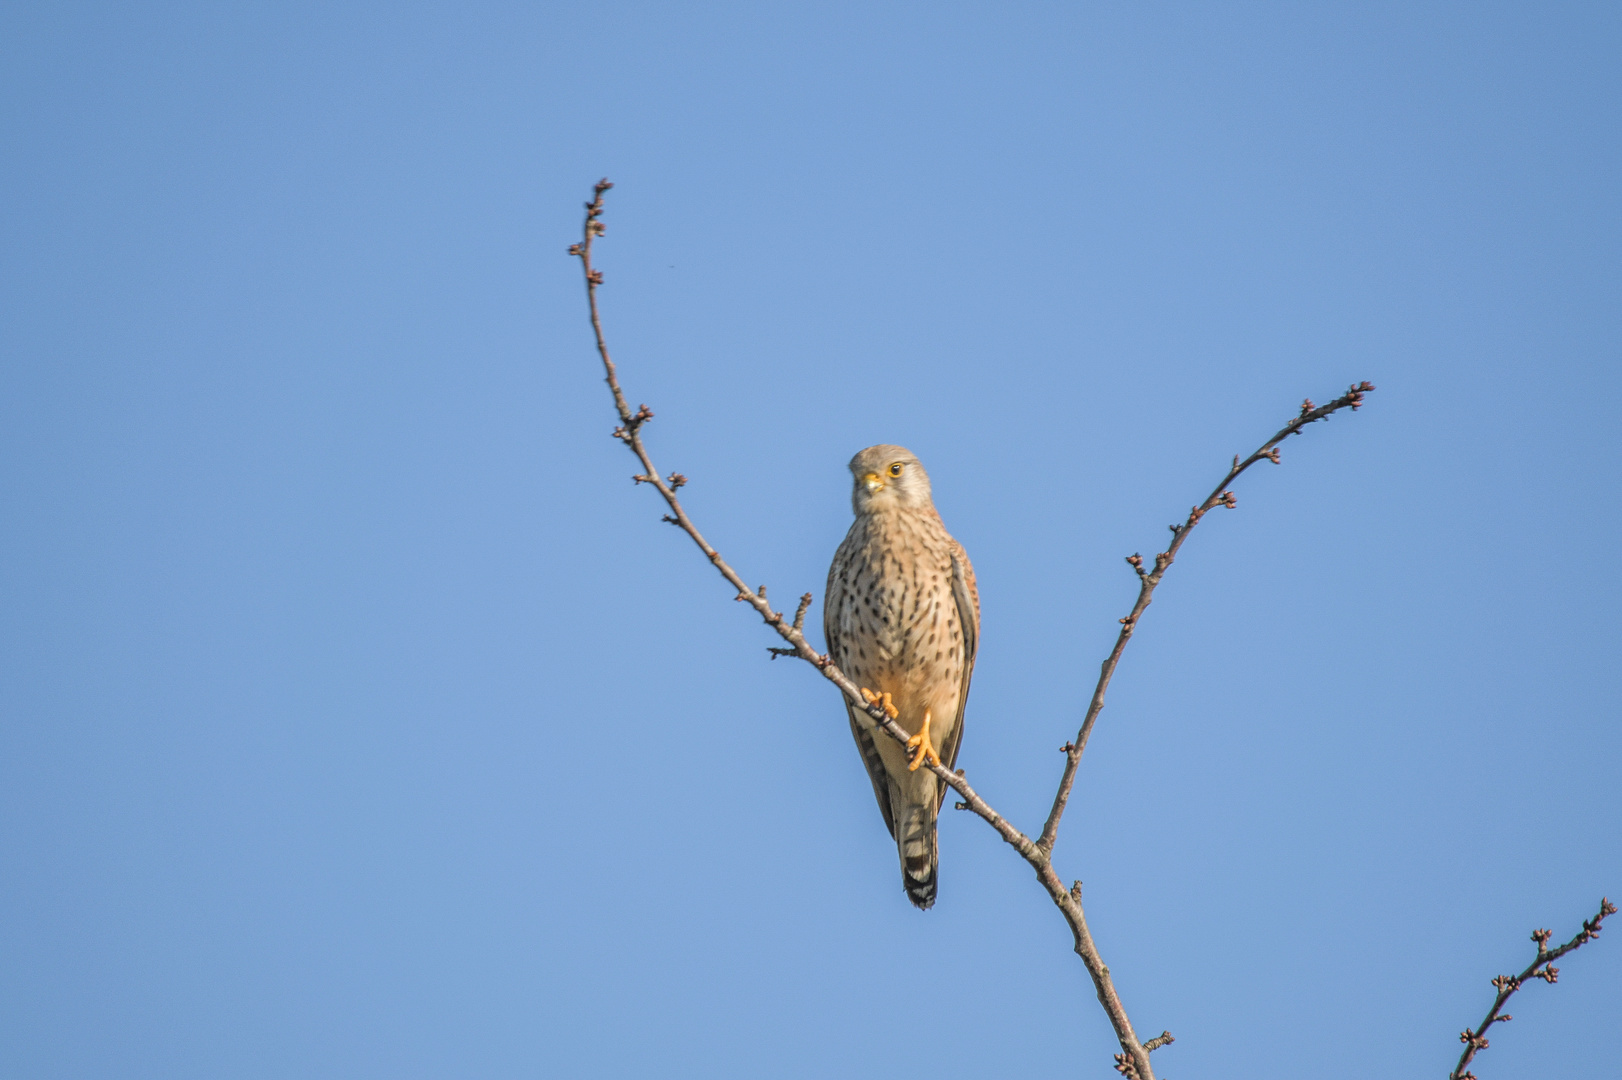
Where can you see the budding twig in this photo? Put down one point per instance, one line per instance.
(1475, 1039)
(1150, 579)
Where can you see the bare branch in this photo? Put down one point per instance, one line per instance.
(1133, 1061)
(1475, 1040)
(630, 432)
(1124, 1064)
(1148, 580)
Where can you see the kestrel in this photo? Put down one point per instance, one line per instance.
(902, 619)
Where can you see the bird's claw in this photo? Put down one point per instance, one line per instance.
(920, 749)
(880, 699)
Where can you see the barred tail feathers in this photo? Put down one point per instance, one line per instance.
(916, 842)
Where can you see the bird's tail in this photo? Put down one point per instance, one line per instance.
(915, 840)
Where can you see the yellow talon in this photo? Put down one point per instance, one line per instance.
(875, 699)
(921, 743)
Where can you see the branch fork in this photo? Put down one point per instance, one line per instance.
(1133, 1060)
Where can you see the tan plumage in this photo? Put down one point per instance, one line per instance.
(902, 617)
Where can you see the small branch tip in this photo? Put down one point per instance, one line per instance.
(799, 616)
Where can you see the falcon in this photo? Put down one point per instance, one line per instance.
(902, 620)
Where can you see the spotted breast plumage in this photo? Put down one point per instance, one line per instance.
(902, 620)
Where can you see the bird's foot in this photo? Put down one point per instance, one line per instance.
(880, 699)
(921, 749)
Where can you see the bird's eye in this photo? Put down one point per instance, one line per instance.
(895, 470)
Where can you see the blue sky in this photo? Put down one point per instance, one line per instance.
(358, 717)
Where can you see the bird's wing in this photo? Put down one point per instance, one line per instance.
(875, 768)
(967, 596)
(832, 604)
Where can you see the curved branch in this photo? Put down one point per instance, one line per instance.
(630, 433)
(1149, 580)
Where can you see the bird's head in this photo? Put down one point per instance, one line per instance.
(888, 478)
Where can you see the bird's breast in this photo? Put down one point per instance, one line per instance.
(897, 614)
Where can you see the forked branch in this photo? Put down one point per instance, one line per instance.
(1475, 1040)
(1133, 1061)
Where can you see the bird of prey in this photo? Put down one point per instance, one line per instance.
(902, 619)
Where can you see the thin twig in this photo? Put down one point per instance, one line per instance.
(1476, 1039)
(1133, 1061)
(1148, 580)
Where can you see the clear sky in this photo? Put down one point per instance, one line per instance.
(358, 717)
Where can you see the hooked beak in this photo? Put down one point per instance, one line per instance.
(874, 482)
